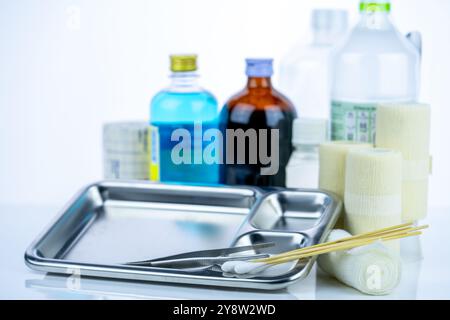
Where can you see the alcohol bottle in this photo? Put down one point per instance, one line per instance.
(187, 106)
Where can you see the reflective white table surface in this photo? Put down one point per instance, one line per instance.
(425, 273)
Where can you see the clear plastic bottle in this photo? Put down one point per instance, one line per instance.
(305, 70)
(376, 64)
(302, 170)
(181, 106)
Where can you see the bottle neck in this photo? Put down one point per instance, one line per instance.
(259, 83)
(375, 20)
(184, 80)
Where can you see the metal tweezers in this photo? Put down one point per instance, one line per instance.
(205, 258)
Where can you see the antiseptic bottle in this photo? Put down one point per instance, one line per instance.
(183, 105)
(305, 75)
(261, 118)
(376, 64)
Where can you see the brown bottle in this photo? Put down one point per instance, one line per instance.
(258, 106)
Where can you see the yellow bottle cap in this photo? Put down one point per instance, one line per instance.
(183, 63)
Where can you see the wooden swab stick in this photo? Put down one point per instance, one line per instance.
(381, 231)
(343, 246)
(385, 234)
(336, 245)
(352, 238)
(400, 226)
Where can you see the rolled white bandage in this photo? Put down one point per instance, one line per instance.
(373, 190)
(406, 128)
(332, 159)
(372, 269)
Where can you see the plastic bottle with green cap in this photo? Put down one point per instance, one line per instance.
(182, 111)
(375, 64)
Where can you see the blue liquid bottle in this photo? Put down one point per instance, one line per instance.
(184, 105)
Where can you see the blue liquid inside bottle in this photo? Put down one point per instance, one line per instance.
(184, 105)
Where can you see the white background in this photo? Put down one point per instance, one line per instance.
(66, 67)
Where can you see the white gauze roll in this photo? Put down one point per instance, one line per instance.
(406, 128)
(332, 159)
(373, 185)
(372, 269)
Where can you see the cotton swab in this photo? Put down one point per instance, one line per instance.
(364, 239)
(344, 246)
(385, 234)
(380, 232)
(330, 248)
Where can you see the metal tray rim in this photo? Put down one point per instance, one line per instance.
(34, 261)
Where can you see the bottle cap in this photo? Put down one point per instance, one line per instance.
(333, 20)
(183, 63)
(375, 6)
(260, 68)
(309, 131)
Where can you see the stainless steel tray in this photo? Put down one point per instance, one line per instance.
(110, 223)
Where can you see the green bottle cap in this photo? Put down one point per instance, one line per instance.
(375, 6)
(183, 63)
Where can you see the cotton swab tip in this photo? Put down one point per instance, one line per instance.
(229, 266)
(249, 267)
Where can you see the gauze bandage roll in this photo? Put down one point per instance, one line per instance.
(406, 128)
(332, 158)
(126, 150)
(373, 185)
(371, 269)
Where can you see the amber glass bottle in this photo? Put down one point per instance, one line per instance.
(258, 106)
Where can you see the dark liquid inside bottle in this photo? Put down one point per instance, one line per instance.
(258, 106)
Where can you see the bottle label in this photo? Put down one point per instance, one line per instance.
(353, 121)
(153, 138)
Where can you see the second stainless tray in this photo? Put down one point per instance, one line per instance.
(110, 223)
